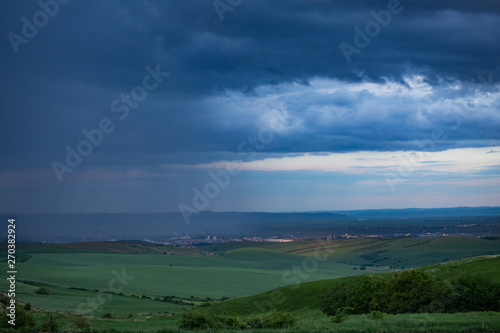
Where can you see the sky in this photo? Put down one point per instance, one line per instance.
(248, 105)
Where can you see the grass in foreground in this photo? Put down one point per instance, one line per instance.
(424, 322)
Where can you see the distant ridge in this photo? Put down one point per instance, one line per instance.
(109, 226)
(424, 212)
(123, 226)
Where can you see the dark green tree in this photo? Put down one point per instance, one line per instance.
(355, 294)
(474, 293)
(411, 292)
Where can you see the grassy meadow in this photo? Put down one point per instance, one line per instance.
(141, 287)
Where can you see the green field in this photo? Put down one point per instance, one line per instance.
(239, 273)
(397, 252)
(131, 281)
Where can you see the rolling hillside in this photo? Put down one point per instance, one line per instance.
(74, 272)
(394, 253)
(304, 298)
(163, 282)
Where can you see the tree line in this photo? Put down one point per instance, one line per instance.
(413, 291)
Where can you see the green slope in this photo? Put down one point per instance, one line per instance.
(304, 298)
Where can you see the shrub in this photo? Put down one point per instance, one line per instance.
(3, 318)
(80, 322)
(229, 322)
(411, 292)
(376, 315)
(4, 299)
(24, 319)
(407, 292)
(43, 291)
(356, 293)
(342, 314)
(278, 319)
(49, 324)
(254, 322)
(361, 293)
(335, 299)
(107, 315)
(205, 304)
(194, 320)
(474, 293)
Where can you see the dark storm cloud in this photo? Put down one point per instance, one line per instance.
(107, 43)
(66, 77)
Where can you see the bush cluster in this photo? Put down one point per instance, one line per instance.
(196, 320)
(412, 291)
(474, 293)
(43, 291)
(25, 320)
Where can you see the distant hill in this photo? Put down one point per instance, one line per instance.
(103, 226)
(123, 226)
(423, 212)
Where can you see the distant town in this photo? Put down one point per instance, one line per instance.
(459, 230)
(214, 228)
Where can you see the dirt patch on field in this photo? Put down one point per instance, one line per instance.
(115, 247)
(308, 249)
